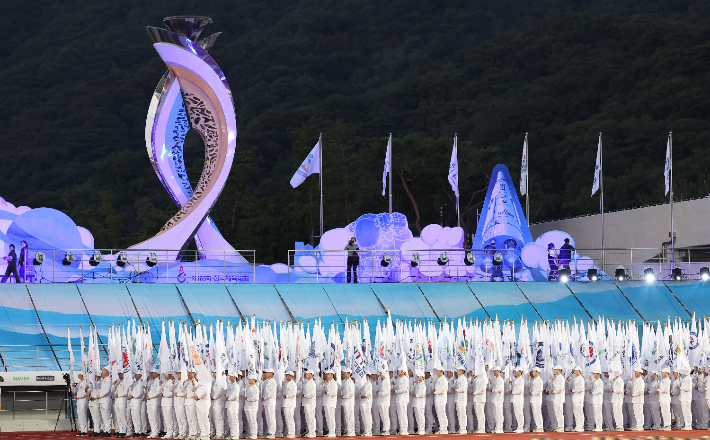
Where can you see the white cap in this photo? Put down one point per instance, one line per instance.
(309, 371)
(666, 370)
(557, 367)
(496, 367)
(535, 369)
(577, 368)
(252, 377)
(518, 368)
(346, 370)
(152, 370)
(268, 370)
(638, 370)
(419, 372)
(289, 373)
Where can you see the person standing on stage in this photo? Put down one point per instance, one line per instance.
(518, 399)
(24, 258)
(565, 255)
(11, 265)
(353, 260)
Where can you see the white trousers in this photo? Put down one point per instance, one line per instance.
(578, 409)
(451, 412)
(557, 406)
(106, 416)
(429, 414)
(193, 427)
(202, 409)
(330, 419)
(233, 417)
(687, 413)
(385, 417)
(519, 417)
(310, 414)
(289, 422)
(180, 424)
(480, 409)
(469, 414)
(638, 415)
(270, 416)
(441, 416)
(497, 416)
(402, 417)
(608, 418)
(410, 416)
(119, 409)
(536, 413)
(461, 414)
(598, 418)
(136, 415)
(507, 414)
(95, 416)
(366, 414)
(617, 410)
(376, 418)
(349, 417)
(666, 414)
(319, 417)
(279, 418)
(154, 417)
(251, 422)
(217, 413)
(419, 417)
(168, 418)
(82, 408)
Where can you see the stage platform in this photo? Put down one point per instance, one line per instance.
(696, 434)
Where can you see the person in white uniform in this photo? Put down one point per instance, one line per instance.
(347, 395)
(497, 387)
(202, 407)
(460, 390)
(686, 397)
(606, 405)
(419, 401)
(480, 385)
(167, 395)
(269, 402)
(675, 400)
(232, 407)
(439, 393)
(155, 388)
(251, 404)
(664, 398)
(617, 400)
(218, 400)
(81, 391)
(309, 404)
(517, 399)
(536, 386)
(180, 423)
(384, 389)
(577, 389)
(653, 403)
(136, 393)
(401, 392)
(289, 405)
(597, 393)
(429, 380)
(94, 405)
(366, 406)
(330, 392)
(105, 401)
(638, 391)
(558, 398)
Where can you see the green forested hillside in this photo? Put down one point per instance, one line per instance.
(77, 79)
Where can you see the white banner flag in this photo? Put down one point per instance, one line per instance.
(524, 169)
(71, 356)
(310, 165)
(388, 166)
(598, 168)
(454, 170)
(667, 171)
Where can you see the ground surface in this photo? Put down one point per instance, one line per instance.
(697, 434)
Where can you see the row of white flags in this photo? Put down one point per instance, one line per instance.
(398, 345)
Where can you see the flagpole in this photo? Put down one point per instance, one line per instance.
(389, 146)
(527, 174)
(458, 215)
(320, 180)
(670, 143)
(601, 186)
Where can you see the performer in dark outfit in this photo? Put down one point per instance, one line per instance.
(11, 265)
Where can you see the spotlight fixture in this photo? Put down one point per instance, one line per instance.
(470, 259)
(122, 259)
(620, 273)
(497, 259)
(564, 275)
(592, 274)
(677, 274)
(68, 258)
(443, 259)
(38, 259)
(386, 260)
(95, 259)
(415, 259)
(152, 260)
(649, 275)
(704, 273)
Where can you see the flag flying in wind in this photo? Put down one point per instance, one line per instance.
(388, 165)
(524, 169)
(598, 168)
(311, 164)
(667, 171)
(71, 356)
(454, 170)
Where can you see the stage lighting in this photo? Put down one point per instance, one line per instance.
(620, 273)
(592, 274)
(470, 259)
(152, 260)
(415, 259)
(704, 273)
(564, 275)
(95, 259)
(497, 259)
(649, 275)
(68, 258)
(677, 274)
(443, 259)
(38, 259)
(386, 260)
(122, 259)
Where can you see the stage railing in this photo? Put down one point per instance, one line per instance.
(374, 265)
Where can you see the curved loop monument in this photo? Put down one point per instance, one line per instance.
(193, 93)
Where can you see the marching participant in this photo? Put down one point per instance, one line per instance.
(383, 399)
(251, 404)
(153, 391)
(180, 423)
(460, 388)
(232, 407)
(347, 393)
(536, 392)
(289, 405)
(517, 398)
(439, 393)
(82, 391)
(617, 400)
(418, 402)
(95, 407)
(217, 397)
(136, 393)
(497, 388)
(577, 389)
(402, 400)
(119, 404)
(330, 391)
(309, 404)
(597, 393)
(366, 406)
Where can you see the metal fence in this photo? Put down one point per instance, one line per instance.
(373, 265)
(33, 404)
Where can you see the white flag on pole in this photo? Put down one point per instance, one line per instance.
(454, 170)
(667, 171)
(71, 356)
(310, 165)
(388, 166)
(524, 169)
(598, 168)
